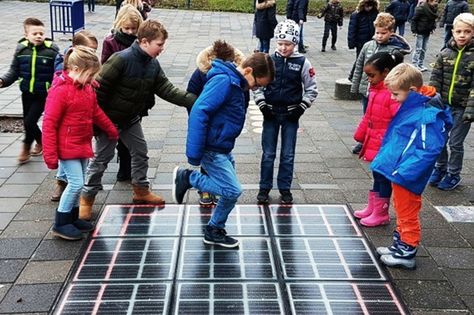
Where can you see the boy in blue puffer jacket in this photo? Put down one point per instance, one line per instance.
(411, 145)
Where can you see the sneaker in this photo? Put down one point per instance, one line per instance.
(422, 68)
(333, 47)
(205, 199)
(390, 249)
(217, 236)
(286, 197)
(449, 182)
(181, 183)
(262, 196)
(436, 176)
(357, 148)
(323, 49)
(403, 257)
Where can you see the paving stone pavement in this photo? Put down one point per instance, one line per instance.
(34, 265)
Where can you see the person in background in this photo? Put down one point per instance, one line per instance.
(400, 10)
(333, 15)
(297, 10)
(452, 9)
(265, 22)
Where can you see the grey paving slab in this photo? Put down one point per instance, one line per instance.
(455, 258)
(45, 272)
(35, 166)
(26, 229)
(57, 249)
(5, 218)
(36, 212)
(30, 298)
(4, 287)
(12, 204)
(6, 172)
(469, 301)
(26, 178)
(462, 280)
(10, 269)
(18, 248)
(17, 191)
(426, 269)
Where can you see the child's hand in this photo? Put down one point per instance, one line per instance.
(266, 110)
(1, 83)
(295, 114)
(52, 166)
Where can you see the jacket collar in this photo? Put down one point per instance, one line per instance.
(137, 51)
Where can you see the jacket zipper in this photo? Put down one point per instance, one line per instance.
(451, 87)
(33, 70)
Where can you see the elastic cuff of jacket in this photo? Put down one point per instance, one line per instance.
(194, 162)
(304, 105)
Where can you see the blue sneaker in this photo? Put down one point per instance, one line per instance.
(403, 257)
(449, 182)
(390, 249)
(217, 236)
(436, 176)
(181, 183)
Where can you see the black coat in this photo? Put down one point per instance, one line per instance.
(265, 22)
(361, 28)
(424, 19)
(296, 10)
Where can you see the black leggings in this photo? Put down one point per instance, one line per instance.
(382, 185)
(33, 108)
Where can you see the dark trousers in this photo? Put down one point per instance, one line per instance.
(358, 49)
(448, 33)
(125, 159)
(91, 5)
(330, 26)
(382, 185)
(33, 107)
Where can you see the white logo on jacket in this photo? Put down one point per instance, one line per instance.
(294, 66)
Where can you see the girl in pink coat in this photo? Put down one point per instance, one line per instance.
(70, 113)
(381, 109)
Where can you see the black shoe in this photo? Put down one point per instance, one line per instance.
(357, 148)
(333, 47)
(286, 197)
(181, 183)
(323, 49)
(216, 236)
(262, 196)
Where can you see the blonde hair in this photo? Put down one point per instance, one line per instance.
(84, 38)
(466, 18)
(385, 20)
(151, 30)
(84, 58)
(127, 13)
(403, 77)
(138, 4)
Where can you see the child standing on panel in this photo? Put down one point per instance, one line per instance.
(413, 141)
(70, 113)
(381, 109)
(216, 120)
(333, 15)
(282, 103)
(453, 78)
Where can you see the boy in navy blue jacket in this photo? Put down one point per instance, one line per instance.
(282, 104)
(410, 147)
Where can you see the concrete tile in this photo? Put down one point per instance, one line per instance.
(466, 230)
(45, 272)
(27, 178)
(35, 212)
(16, 191)
(4, 287)
(33, 167)
(440, 312)
(8, 162)
(442, 238)
(57, 249)
(469, 301)
(6, 172)
(30, 298)
(12, 204)
(454, 258)
(5, 218)
(10, 269)
(26, 229)
(462, 280)
(426, 269)
(18, 248)
(345, 172)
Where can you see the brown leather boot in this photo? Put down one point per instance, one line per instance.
(143, 195)
(85, 207)
(37, 149)
(58, 190)
(24, 154)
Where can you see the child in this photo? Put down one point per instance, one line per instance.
(143, 7)
(384, 40)
(83, 38)
(453, 76)
(71, 110)
(225, 52)
(381, 109)
(452, 9)
(129, 81)
(297, 10)
(124, 33)
(413, 141)
(216, 120)
(423, 24)
(361, 27)
(400, 10)
(333, 15)
(282, 104)
(265, 22)
(33, 63)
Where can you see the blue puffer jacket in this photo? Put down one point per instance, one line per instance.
(399, 9)
(218, 115)
(413, 141)
(361, 28)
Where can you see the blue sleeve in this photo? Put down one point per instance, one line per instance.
(211, 99)
(196, 83)
(351, 32)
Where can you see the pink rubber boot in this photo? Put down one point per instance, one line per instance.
(370, 206)
(380, 214)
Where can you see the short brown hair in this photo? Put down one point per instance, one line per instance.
(262, 65)
(32, 22)
(403, 77)
(385, 20)
(84, 38)
(151, 30)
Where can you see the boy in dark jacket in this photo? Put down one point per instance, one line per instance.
(129, 81)
(423, 24)
(452, 9)
(400, 10)
(333, 15)
(33, 63)
(413, 141)
(296, 10)
(453, 78)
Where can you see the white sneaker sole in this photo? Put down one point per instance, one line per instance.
(220, 244)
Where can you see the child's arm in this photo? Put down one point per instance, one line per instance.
(340, 14)
(436, 79)
(13, 73)
(308, 78)
(361, 130)
(167, 91)
(266, 109)
(358, 70)
(107, 50)
(323, 12)
(103, 122)
(468, 116)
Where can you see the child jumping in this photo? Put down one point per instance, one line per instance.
(70, 113)
(381, 109)
(282, 103)
(333, 15)
(413, 141)
(33, 63)
(453, 76)
(216, 120)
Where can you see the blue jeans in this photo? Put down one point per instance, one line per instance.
(401, 28)
(221, 180)
(264, 45)
(61, 175)
(271, 128)
(457, 135)
(75, 171)
(448, 33)
(420, 50)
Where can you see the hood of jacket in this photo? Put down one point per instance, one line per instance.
(227, 68)
(206, 56)
(401, 43)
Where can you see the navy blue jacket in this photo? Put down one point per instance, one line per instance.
(218, 115)
(361, 28)
(399, 9)
(296, 10)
